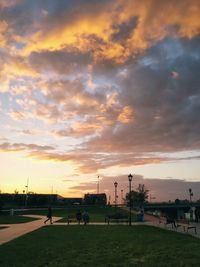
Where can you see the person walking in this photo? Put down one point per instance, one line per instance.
(79, 216)
(197, 212)
(86, 217)
(49, 216)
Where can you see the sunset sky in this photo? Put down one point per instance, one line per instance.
(100, 88)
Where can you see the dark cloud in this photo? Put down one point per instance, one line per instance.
(64, 62)
(165, 110)
(159, 189)
(124, 30)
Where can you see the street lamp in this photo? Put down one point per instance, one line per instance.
(115, 184)
(122, 196)
(26, 200)
(191, 194)
(130, 177)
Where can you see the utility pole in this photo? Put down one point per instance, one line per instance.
(115, 185)
(98, 185)
(26, 199)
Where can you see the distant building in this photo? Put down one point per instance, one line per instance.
(72, 200)
(95, 199)
(28, 200)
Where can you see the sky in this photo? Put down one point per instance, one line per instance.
(100, 88)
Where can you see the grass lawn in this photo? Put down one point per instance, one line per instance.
(97, 214)
(119, 246)
(7, 219)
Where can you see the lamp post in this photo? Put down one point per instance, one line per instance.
(122, 196)
(26, 200)
(115, 184)
(130, 177)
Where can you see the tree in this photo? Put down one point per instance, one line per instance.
(177, 201)
(16, 192)
(138, 197)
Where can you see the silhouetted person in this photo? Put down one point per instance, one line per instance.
(171, 220)
(86, 217)
(79, 217)
(196, 212)
(49, 215)
(142, 215)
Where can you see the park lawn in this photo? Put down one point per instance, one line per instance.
(96, 213)
(119, 246)
(8, 219)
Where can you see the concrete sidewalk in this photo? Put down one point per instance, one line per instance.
(154, 221)
(15, 230)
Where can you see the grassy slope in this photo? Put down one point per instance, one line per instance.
(7, 219)
(61, 246)
(97, 214)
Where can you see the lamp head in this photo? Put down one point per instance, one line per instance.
(130, 177)
(115, 184)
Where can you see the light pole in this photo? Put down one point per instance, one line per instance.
(98, 185)
(122, 196)
(109, 200)
(115, 184)
(26, 200)
(130, 177)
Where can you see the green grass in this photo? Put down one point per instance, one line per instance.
(7, 219)
(119, 246)
(97, 214)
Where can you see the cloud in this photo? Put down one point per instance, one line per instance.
(3, 30)
(174, 75)
(118, 77)
(88, 162)
(9, 147)
(99, 27)
(164, 117)
(10, 3)
(159, 189)
(62, 61)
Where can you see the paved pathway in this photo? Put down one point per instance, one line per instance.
(15, 230)
(154, 221)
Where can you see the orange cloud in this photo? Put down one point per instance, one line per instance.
(126, 115)
(6, 3)
(19, 68)
(3, 30)
(94, 29)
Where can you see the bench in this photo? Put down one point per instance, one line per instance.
(71, 218)
(164, 220)
(118, 217)
(186, 225)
